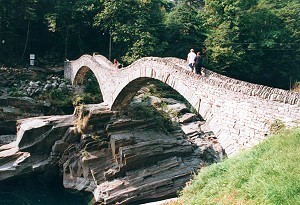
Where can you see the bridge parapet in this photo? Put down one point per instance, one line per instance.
(238, 112)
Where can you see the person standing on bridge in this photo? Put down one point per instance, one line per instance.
(190, 59)
(116, 63)
(198, 63)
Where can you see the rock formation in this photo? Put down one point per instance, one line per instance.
(147, 152)
(23, 93)
(31, 151)
(128, 159)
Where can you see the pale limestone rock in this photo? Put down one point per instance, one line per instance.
(31, 150)
(154, 101)
(187, 117)
(179, 108)
(40, 133)
(170, 101)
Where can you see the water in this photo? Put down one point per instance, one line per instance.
(35, 190)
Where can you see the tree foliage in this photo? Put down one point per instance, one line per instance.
(134, 26)
(254, 40)
(15, 26)
(72, 24)
(184, 29)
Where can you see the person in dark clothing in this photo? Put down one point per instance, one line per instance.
(198, 63)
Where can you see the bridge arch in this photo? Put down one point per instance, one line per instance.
(80, 75)
(98, 65)
(128, 87)
(86, 76)
(126, 94)
(239, 113)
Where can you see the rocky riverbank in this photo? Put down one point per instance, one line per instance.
(146, 152)
(28, 93)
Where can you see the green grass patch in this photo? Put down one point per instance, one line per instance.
(267, 174)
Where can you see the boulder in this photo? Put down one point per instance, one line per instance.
(192, 128)
(37, 135)
(11, 161)
(154, 101)
(179, 108)
(36, 138)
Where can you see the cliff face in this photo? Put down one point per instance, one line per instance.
(130, 158)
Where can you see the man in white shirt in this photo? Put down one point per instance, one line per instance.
(191, 59)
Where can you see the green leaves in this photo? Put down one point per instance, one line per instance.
(184, 30)
(253, 40)
(134, 26)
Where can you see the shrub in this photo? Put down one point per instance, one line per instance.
(276, 126)
(160, 117)
(85, 98)
(296, 87)
(77, 100)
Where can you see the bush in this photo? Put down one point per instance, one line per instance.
(58, 98)
(77, 100)
(160, 117)
(276, 126)
(85, 98)
(296, 87)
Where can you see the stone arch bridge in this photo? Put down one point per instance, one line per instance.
(239, 113)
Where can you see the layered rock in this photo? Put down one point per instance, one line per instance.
(31, 151)
(119, 157)
(12, 109)
(131, 160)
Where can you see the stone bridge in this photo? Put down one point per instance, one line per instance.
(239, 113)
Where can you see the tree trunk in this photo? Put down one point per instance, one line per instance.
(66, 42)
(27, 37)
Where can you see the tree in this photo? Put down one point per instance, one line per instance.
(135, 27)
(251, 40)
(184, 29)
(15, 28)
(72, 23)
(288, 62)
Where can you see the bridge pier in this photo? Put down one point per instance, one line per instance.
(67, 70)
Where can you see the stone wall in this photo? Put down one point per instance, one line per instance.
(239, 113)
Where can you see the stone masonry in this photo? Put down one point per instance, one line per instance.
(239, 113)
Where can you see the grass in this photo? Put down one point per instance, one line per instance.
(267, 174)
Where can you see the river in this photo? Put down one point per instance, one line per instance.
(35, 190)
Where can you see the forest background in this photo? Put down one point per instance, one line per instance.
(255, 40)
